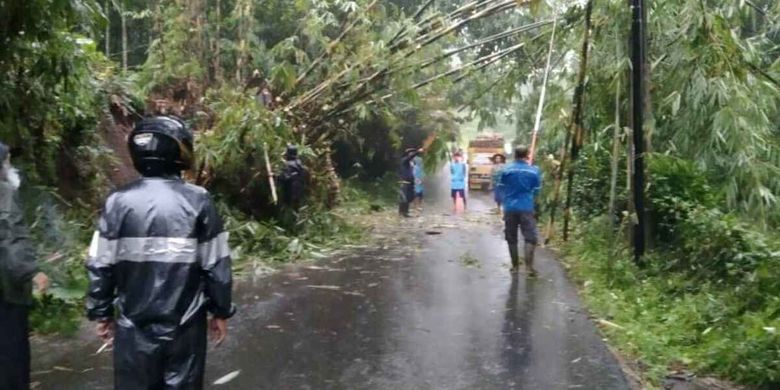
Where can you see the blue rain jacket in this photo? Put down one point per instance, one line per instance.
(518, 184)
(419, 174)
(458, 175)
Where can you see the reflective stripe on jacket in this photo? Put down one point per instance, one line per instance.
(518, 184)
(159, 256)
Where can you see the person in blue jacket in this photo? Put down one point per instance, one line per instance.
(419, 174)
(458, 172)
(518, 185)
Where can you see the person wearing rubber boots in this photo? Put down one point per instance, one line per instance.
(158, 264)
(518, 185)
(18, 273)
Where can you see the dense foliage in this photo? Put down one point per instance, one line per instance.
(354, 82)
(706, 296)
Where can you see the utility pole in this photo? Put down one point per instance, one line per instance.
(638, 65)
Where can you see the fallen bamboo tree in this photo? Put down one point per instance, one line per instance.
(331, 46)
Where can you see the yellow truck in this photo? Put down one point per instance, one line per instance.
(480, 159)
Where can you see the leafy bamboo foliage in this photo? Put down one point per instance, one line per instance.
(353, 82)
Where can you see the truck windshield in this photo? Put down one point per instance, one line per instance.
(482, 159)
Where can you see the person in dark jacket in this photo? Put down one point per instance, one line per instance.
(406, 173)
(293, 179)
(518, 184)
(18, 272)
(158, 263)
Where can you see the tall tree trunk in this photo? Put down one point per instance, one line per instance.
(108, 29)
(123, 18)
(577, 121)
(244, 29)
(218, 44)
(557, 189)
(615, 157)
(638, 108)
(158, 27)
(615, 138)
(197, 10)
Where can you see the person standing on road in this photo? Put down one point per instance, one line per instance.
(458, 172)
(406, 173)
(18, 272)
(158, 263)
(498, 163)
(518, 185)
(419, 174)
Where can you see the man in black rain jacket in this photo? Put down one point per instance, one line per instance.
(18, 271)
(406, 173)
(293, 179)
(158, 262)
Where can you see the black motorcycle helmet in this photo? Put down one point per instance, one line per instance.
(291, 153)
(161, 145)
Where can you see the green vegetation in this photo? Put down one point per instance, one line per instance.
(705, 298)
(355, 82)
(685, 317)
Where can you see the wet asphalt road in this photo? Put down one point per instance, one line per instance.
(416, 311)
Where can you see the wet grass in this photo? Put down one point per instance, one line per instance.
(667, 322)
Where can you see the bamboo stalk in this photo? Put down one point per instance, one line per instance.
(615, 157)
(482, 42)
(483, 92)
(403, 29)
(108, 29)
(331, 46)
(550, 231)
(270, 173)
(450, 53)
(450, 16)
(498, 56)
(615, 141)
(123, 21)
(358, 93)
(489, 57)
(341, 111)
(502, 6)
(218, 44)
(577, 122)
(539, 109)
(383, 72)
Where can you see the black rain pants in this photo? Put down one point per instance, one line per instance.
(14, 347)
(526, 221)
(143, 362)
(405, 197)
